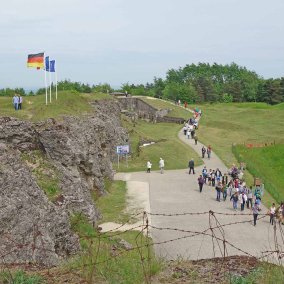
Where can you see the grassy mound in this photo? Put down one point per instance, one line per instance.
(267, 163)
(35, 109)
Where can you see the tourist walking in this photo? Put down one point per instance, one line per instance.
(250, 196)
(195, 139)
(200, 182)
(272, 213)
(255, 210)
(209, 150)
(225, 192)
(204, 174)
(243, 201)
(203, 151)
(218, 189)
(235, 199)
(149, 166)
(161, 165)
(191, 166)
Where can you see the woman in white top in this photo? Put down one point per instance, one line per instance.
(272, 213)
(149, 166)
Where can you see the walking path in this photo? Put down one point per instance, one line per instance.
(177, 192)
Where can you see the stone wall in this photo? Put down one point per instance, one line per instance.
(143, 109)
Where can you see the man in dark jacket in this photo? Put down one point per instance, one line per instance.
(191, 166)
(200, 181)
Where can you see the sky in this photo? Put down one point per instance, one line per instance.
(120, 41)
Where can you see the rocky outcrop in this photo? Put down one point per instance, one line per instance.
(32, 228)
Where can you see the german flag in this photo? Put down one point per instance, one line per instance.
(36, 60)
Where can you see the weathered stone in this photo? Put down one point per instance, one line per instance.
(32, 228)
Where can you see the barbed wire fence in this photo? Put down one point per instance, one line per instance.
(94, 255)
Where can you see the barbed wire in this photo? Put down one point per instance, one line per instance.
(215, 231)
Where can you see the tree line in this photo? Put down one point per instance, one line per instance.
(212, 83)
(195, 83)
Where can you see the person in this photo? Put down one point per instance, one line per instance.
(225, 191)
(200, 182)
(243, 201)
(188, 133)
(272, 213)
(161, 165)
(203, 151)
(204, 173)
(149, 166)
(195, 139)
(218, 189)
(184, 129)
(213, 178)
(218, 174)
(15, 101)
(209, 150)
(20, 102)
(185, 104)
(255, 210)
(249, 195)
(191, 166)
(235, 199)
(179, 102)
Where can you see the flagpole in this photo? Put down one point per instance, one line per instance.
(49, 85)
(45, 87)
(56, 83)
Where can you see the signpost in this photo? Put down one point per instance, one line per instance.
(122, 150)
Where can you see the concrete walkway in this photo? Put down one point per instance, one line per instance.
(176, 192)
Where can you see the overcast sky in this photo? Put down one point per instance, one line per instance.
(119, 41)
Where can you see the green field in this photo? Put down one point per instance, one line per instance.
(267, 163)
(168, 146)
(223, 125)
(35, 109)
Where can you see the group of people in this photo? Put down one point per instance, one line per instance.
(17, 102)
(161, 166)
(207, 151)
(231, 184)
(189, 129)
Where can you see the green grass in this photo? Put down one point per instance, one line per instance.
(168, 146)
(35, 109)
(113, 205)
(225, 124)
(104, 260)
(19, 277)
(176, 111)
(265, 273)
(267, 163)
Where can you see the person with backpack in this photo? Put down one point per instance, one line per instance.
(235, 199)
(204, 174)
(200, 181)
(218, 190)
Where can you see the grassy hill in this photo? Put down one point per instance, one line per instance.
(267, 163)
(35, 109)
(223, 125)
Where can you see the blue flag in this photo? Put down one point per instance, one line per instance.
(52, 65)
(47, 63)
